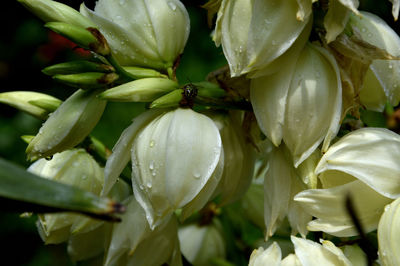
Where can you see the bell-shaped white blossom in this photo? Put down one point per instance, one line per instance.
(370, 155)
(389, 234)
(254, 33)
(177, 161)
(281, 183)
(363, 165)
(76, 168)
(301, 103)
(133, 242)
(311, 253)
(149, 33)
(383, 75)
(201, 243)
(271, 256)
(239, 160)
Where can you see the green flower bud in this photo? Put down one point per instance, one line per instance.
(89, 38)
(76, 168)
(34, 103)
(87, 80)
(77, 67)
(140, 73)
(68, 125)
(208, 89)
(148, 33)
(171, 99)
(49, 11)
(141, 90)
(200, 244)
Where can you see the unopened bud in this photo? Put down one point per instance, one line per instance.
(141, 90)
(77, 67)
(68, 125)
(49, 11)
(34, 103)
(140, 72)
(87, 80)
(89, 38)
(171, 99)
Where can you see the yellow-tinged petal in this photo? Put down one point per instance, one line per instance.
(271, 256)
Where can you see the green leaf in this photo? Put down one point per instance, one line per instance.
(24, 191)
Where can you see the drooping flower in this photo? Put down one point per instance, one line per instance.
(177, 161)
(301, 103)
(149, 33)
(254, 33)
(364, 165)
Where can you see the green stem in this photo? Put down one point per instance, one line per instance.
(125, 75)
(171, 74)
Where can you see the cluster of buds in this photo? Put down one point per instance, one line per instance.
(269, 132)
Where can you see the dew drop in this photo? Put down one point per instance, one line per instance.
(152, 142)
(151, 165)
(387, 207)
(141, 187)
(149, 184)
(390, 66)
(172, 6)
(118, 17)
(363, 30)
(84, 177)
(75, 164)
(154, 173)
(196, 175)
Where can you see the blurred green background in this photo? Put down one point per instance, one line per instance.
(26, 47)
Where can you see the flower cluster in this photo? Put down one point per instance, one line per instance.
(277, 132)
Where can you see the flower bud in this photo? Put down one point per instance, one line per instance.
(301, 103)
(78, 66)
(49, 11)
(171, 99)
(383, 79)
(34, 103)
(148, 33)
(89, 38)
(140, 72)
(389, 234)
(254, 33)
(200, 244)
(87, 80)
(68, 125)
(141, 90)
(76, 168)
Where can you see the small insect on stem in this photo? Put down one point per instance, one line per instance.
(188, 95)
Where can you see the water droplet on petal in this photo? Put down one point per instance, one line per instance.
(152, 142)
(151, 165)
(196, 175)
(172, 6)
(149, 184)
(141, 186)
(84, 177)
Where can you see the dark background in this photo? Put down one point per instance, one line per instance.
(26, 47)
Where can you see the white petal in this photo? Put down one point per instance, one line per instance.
(122, 149)
(277, 185)
(372, 95)
(355, 255)
(172, 160)
(369, 154)
(313, 107)
(291, 260)
(375, 31)
(271, 256)
(395, 8)
(311, 253)
(389, 235)
(328, 206)
(335, 20)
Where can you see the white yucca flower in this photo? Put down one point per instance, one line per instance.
(150, 33)
(254, 33)
(363, 164)
(307, 252)
(389, 235)
(382, 82)
(301, 103)
(177, 161)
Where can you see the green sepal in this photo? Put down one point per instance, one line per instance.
(25, 192)
(171, 99)
(87, 80)
(141, 90)
(27, 138)
(49, 105)
(27, 101)
(75, 67)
